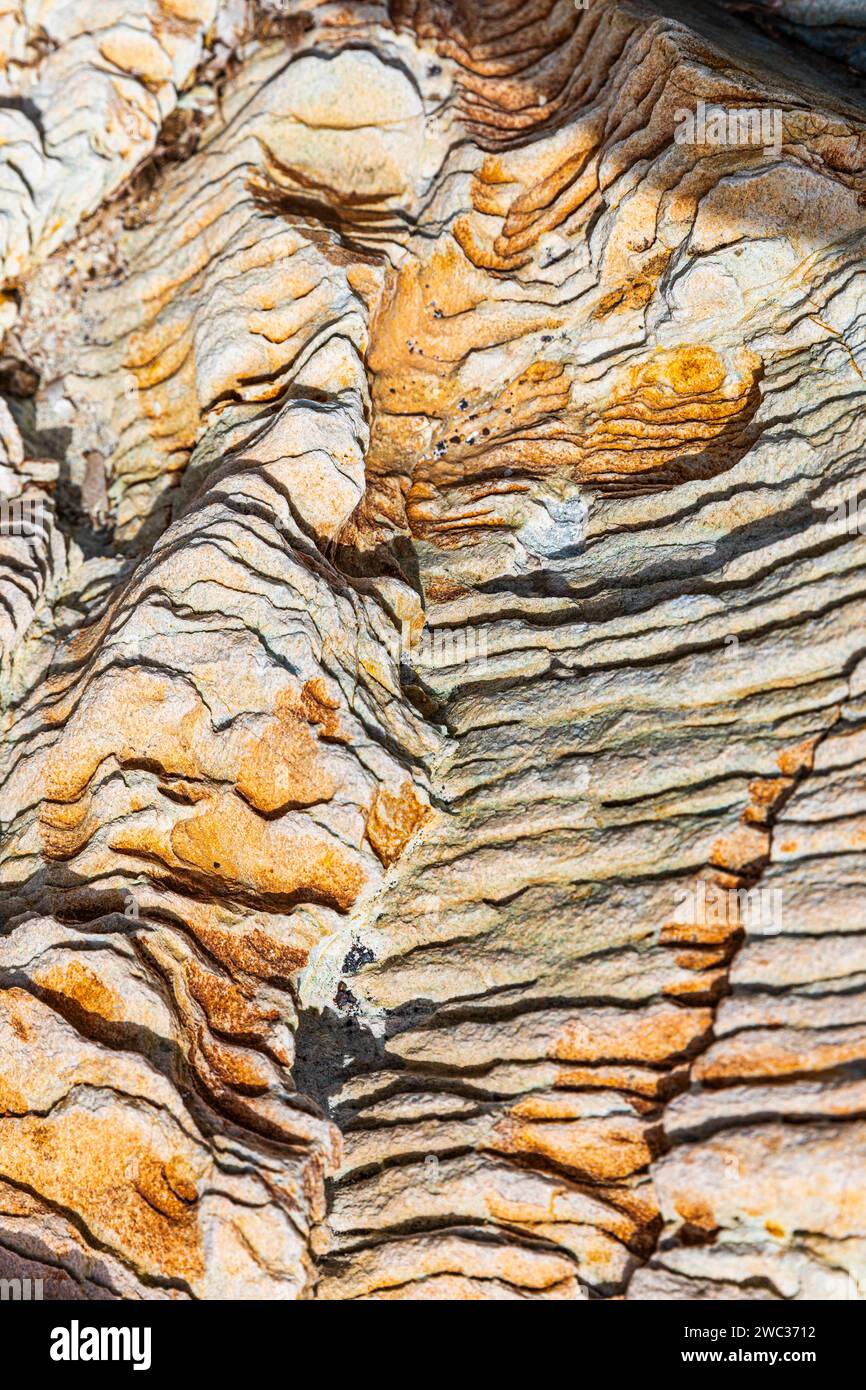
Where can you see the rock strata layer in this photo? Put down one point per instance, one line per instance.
(433, 649)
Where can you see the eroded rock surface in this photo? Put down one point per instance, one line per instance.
(433, 795)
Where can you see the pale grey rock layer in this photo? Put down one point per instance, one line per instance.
(433, 795)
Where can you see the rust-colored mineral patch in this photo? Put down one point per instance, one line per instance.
(394, 818)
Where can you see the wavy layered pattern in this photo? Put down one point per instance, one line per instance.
(432, 655)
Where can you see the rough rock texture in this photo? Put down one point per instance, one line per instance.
(438, 635)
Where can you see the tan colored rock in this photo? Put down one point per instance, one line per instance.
(431, 783)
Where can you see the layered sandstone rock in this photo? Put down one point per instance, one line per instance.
(433, 794)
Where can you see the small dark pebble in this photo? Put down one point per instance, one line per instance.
(357, 956)
(345, 999)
